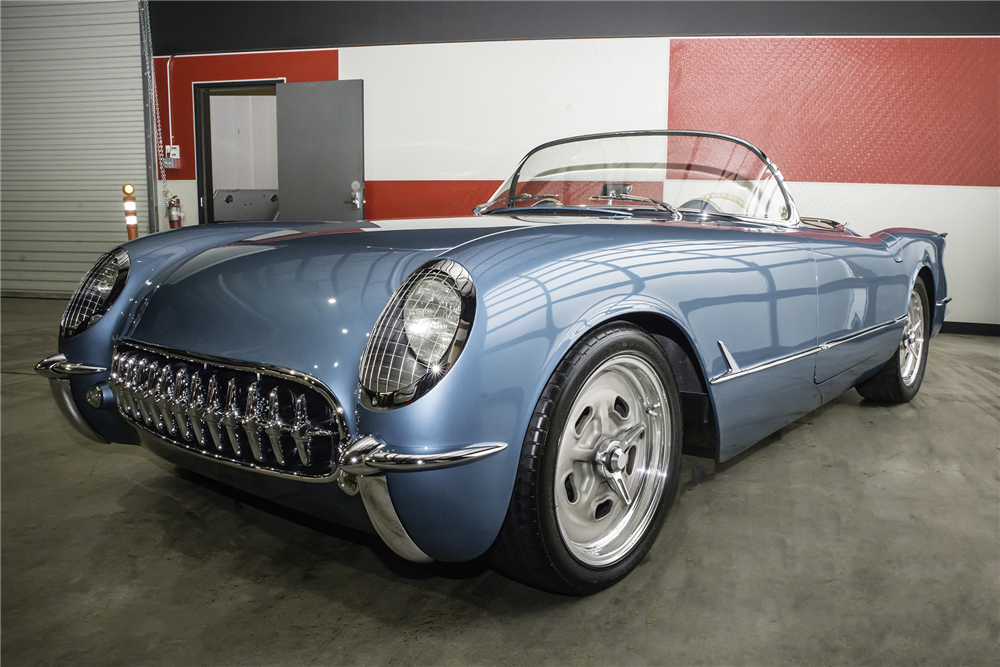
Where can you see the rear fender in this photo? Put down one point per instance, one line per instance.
(923, 251)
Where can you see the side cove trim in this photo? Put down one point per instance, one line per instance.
(736, 372)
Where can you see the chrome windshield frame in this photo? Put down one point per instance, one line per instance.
(793, 220)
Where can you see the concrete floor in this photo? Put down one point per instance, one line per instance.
(861, 534)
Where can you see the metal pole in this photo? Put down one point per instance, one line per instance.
(152, 158)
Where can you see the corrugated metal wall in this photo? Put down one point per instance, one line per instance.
(71, 134)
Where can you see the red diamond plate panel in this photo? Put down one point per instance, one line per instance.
(849, 110)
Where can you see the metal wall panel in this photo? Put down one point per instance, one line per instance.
(72, 132)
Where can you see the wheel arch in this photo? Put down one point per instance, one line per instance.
(700, 427)
(928, 277)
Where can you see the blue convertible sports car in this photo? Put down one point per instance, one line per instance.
(523, 381)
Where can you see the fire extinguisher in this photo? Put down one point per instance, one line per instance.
(174, 212)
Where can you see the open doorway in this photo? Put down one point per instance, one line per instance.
(236, 157)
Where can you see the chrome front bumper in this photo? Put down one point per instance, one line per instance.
(360, 471)
(367, 456)
(58, 370)
(360, 467)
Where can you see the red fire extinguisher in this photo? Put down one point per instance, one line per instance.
(174, 212)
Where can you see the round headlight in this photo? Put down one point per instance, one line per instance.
(431, 313)
(419, 335)
(95, 293)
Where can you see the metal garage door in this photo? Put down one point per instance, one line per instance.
(71, 133)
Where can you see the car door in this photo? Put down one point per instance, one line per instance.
(756, 306)
(862, 288)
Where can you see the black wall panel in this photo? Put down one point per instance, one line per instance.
(205, 27)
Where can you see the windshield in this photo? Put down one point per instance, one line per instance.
(657, 172)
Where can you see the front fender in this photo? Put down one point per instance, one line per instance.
(520, 334)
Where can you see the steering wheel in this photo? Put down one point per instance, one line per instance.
(705, 202)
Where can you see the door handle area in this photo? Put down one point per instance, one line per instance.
(355, 200)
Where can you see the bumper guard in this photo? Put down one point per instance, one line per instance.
(360, 470)
(58, 370)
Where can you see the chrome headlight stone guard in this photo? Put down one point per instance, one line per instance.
(395, 369)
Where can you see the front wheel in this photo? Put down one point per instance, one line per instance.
(599, 466)
(899, 380)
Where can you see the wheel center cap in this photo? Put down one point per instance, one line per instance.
(615, 459)
(612, 459)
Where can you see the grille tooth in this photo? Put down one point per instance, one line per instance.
(252, 421)
(120, 384)
(132, 385)
(196, 408)
(164, 397)
(231, 418)
(300, 430)
(146, 376)
(274, 425)
(230, 412)
(178, 403)
(134, 391)
(213, 413)
(114, 379)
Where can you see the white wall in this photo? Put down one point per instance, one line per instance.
(472, 110)
(187, 192)
(970, 216)
(244, 142)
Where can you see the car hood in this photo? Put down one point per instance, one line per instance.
(305, 300)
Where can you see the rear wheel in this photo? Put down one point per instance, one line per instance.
(599, 466)
(899, 380)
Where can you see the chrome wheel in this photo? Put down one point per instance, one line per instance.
(613, 460)
(911, 348)
(599, 465)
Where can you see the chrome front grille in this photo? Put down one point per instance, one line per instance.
(258, 416)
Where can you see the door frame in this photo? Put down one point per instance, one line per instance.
(202, 93)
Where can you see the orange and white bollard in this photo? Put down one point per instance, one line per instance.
(131, 221)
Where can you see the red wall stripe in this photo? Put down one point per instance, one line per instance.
(293, 66)
(385, 200)
(921, 111)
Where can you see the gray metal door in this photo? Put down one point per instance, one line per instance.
(321, 150)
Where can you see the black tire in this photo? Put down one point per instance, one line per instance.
(899, 380)
(546, 540)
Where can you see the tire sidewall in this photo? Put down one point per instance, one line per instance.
(910, 391)
(622, 338)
